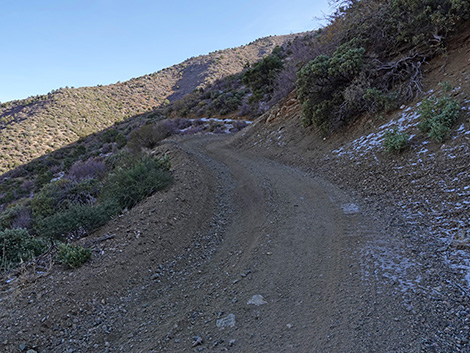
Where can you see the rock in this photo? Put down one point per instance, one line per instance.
(197, 340)
(246, 273)
(31, 351)
(257, 300)
(228, 321)
(156, 275)
(231, 343)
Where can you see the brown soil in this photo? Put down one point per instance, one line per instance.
(243, 225)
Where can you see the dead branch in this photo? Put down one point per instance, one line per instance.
(99, 240)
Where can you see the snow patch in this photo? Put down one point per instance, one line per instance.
(350, 208)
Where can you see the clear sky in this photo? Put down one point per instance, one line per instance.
(50, 44)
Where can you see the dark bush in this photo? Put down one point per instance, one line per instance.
(75, 221)
(378, 101)
(148, 136)
(238, 125)
(89, 169)
(109, 136)
(395, 141)
(381, 47)
(180, 124)
(322, 87)
(61, 194)
(43, 179)
(16, 216)
(438, 115)
(260, 78)
(121, 140)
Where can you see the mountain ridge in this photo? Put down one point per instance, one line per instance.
(37, 125)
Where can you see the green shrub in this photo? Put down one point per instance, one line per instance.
(8, 216)
(15, 216)
(18, 245)
(395, 141)
(260, 78)
(379, 101)
(122, 159)
(121, 140)
(43, 178)
(43, 204)
(76, 212)
(109, 136)
(61, 194)
(370, 57)
(438, 115)
(321, 87)
(75, 221)
(72, 255)
(127, 186)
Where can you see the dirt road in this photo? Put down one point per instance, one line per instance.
(267, 259)
(292, 241)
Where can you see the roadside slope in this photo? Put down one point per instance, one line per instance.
(422, 194)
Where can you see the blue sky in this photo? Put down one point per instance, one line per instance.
(50, 44)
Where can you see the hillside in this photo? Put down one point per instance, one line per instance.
(32, 127)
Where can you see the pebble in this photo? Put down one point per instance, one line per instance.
(257, 300)
(228, 321)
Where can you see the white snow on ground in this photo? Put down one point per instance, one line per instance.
(374, 141)
(229, 124)
(449, 222)
(406, 121)
(275, 137)
(350, 208)
(395, 267)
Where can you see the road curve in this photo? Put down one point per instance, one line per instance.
(291, 238)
